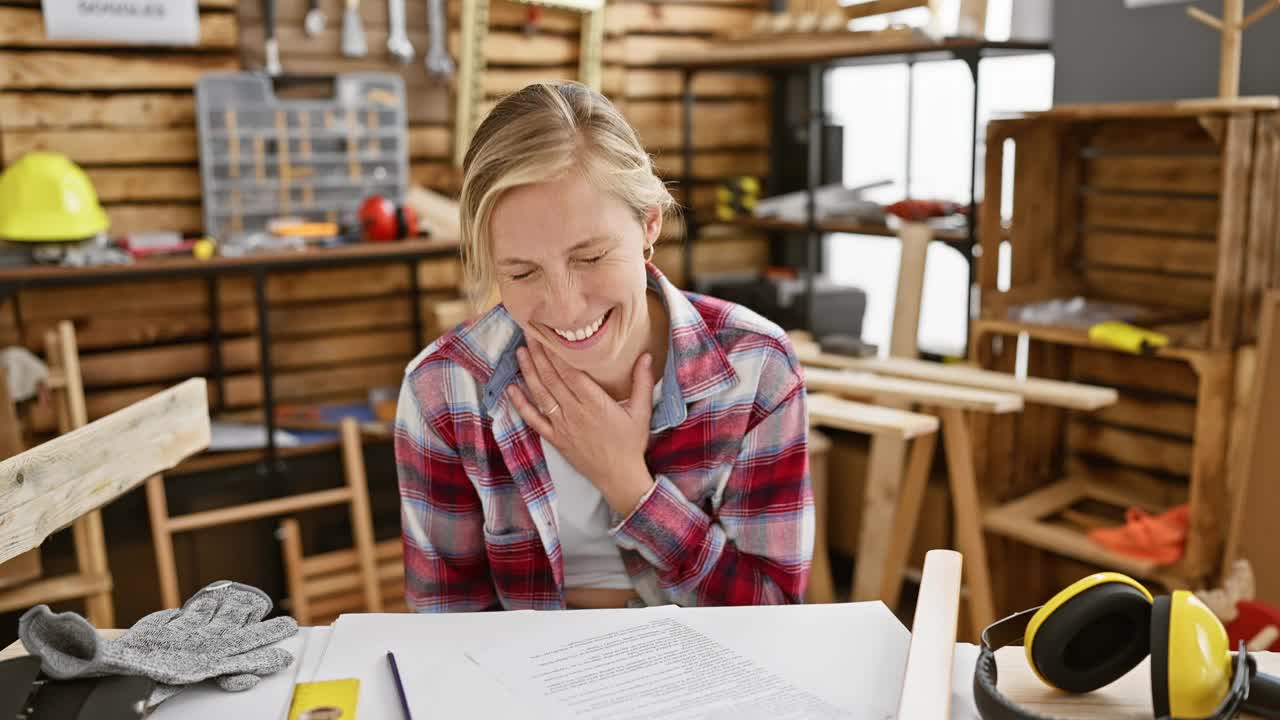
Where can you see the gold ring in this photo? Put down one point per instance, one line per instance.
(554, 409)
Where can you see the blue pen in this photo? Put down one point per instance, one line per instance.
(395, 673)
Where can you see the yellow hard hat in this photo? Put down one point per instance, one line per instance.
(45, 197)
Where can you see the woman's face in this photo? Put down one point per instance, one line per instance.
(569, 261)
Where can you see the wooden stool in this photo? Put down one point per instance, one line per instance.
(878, 542)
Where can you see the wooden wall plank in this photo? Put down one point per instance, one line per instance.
(24, 27)
(133, 183)
(343, 349)
(311, 319)
(1160, 489)
(442, 273)
(373, 15)
(1131, 448)
(1154, 253)
(299, 385)
(1155, 173)
(430, 141)
(74, 301)
(440, 175)
(32, 110)
(653, 17)
(183, 218)
(142, 326)
(1116, 369)
(738, 123)
(132, 146)
(1179, 134)
(714, 165)
(1150, 412)
(1151, 213)
(641, 50)
(746, 252)
(328, 284)
(639, 83)
(71, 70)
(1184, 292)
(168, 362)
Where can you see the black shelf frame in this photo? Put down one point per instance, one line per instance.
(970, 51)
(13, 280)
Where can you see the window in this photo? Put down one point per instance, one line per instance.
(870, 102)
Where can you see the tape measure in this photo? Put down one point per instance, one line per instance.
(1123, 336)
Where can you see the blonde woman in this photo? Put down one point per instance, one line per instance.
(600, 438)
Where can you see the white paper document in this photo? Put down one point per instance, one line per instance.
(790, 661)
(658, 667)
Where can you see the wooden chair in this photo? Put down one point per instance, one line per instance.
(92, 579)
(323, 586)
(354, 493)
(58, 482)
(26, 566)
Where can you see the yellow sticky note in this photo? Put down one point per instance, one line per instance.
(327, 700)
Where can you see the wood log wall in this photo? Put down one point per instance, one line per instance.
(126, 115)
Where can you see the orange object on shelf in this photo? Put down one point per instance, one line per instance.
(1158, 538)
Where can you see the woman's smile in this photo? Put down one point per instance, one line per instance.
(583, 337)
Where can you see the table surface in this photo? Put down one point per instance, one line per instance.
(1129, 698)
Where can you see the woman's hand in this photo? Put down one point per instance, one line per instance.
(603, 439)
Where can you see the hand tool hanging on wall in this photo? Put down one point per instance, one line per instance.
(353, 44)
(398, 40)
(439, 64)
(271, 47)
(313, 23)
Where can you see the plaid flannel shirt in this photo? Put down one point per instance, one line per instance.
(729, 520)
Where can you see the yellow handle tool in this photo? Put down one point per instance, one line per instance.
(1123, 336)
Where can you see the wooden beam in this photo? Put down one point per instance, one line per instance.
(1055, 393)
(880, 7)
(51, 485)
(840, 414)
(869, 385)
(1232, 229)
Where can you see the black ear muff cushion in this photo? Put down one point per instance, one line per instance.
(1093, 638)
(1160, 655)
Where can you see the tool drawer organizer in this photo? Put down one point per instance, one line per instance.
(263, 156)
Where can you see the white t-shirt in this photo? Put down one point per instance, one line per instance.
(591, 558)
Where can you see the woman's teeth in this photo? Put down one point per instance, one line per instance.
(581, 333)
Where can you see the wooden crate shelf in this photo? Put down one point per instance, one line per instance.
(1030, 519)
(1166, 206)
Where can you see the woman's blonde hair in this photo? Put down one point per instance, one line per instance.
(537, 134)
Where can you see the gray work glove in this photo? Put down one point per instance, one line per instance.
(218, 633)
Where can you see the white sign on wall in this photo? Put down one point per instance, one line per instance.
(140, 22)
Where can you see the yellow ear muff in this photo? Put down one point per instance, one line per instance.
(1091, 633)
(1190, 658)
